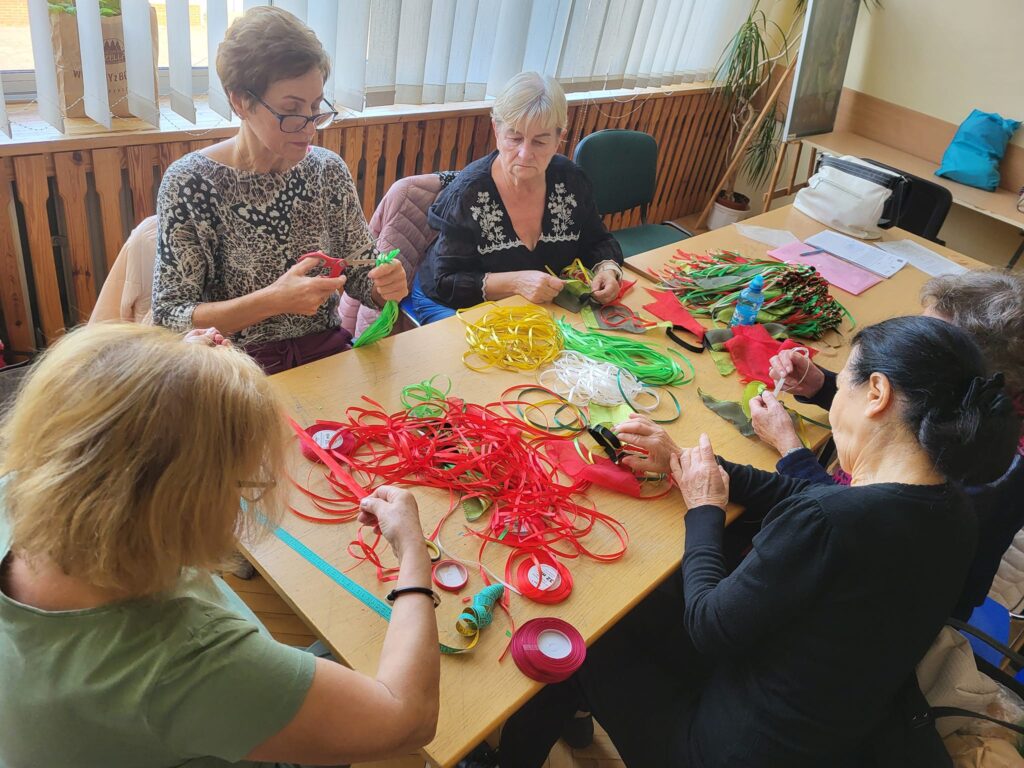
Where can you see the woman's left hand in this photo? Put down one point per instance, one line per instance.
(604, 286)
(389, 283)
(209, 337)
(700, 477)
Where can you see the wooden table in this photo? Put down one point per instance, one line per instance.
(478, 692)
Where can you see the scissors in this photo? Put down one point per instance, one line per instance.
(337, 266)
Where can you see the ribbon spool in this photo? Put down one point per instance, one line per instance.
(450, 575)
(538, 576)
(330, 436)
(548, 650)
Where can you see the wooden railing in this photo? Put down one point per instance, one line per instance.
(66, 206)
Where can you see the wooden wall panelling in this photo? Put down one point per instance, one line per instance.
(34, 193)
(686, 188)
(169, 152)
(72, 188)
(464, 143)
(712, 154)
(675, 119)
(686, 178)
(431, 136)
(413, 133)
(374, 151)
(140, 177)
(106, 170)
(717, 152)
(330, 138)
(354, 151)
(483, 137)
(576, 115)
(650, 116)
(392, 151)
(686, 124)
(680, 168)
(684, 175)
(449, 134)
(12, 294)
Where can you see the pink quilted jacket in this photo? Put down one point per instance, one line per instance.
(400, 221)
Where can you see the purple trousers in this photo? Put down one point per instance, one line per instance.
(284, 354)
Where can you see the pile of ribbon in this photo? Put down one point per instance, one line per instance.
(492, 459)
(795, 295)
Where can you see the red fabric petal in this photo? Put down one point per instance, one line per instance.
(751, 348)
(602, 472)
(666, 306)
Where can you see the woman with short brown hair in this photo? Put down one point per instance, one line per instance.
(237, 218)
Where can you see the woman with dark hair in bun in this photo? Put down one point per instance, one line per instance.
(797, 656)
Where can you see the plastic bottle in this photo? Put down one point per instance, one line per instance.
(749, 303)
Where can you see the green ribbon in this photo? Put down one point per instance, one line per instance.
(381, 327)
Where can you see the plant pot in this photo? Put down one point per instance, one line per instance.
(723, 215)
(737, 201)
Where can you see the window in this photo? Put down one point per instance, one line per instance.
(389, 51)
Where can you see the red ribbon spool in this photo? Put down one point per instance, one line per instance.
(539, 577)
(332, 437)
(548, 650)
(450, 575)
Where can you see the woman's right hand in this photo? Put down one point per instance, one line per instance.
(538, 287)
(642, 432)
(297, 293)
(800, 376)
(772, 423)
(393, 513)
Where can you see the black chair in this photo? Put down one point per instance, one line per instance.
(924, 206)
(622, 167)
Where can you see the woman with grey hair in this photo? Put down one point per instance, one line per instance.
(512, 218)
(989, 305)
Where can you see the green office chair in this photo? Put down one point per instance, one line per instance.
(622, 167)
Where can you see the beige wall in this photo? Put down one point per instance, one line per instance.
(944, 58)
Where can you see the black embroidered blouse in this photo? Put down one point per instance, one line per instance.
(477, 237)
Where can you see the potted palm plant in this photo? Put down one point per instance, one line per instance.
(745, 72)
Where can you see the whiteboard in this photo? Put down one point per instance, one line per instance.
(821, 67)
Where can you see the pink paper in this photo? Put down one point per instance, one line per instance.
(844, 276)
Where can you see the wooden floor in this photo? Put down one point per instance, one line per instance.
(288, 628)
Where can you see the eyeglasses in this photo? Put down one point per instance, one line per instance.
(298, 123)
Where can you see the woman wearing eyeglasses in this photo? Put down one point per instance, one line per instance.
(236, 218)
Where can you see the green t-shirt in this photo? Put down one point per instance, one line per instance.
(182, 680)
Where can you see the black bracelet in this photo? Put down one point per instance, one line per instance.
(394, 594)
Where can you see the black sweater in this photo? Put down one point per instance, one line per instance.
(842, 593)
(477, 236)
(999, 507)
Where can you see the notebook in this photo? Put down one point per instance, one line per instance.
(861, 254)
(844, 276)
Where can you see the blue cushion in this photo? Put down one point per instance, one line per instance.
(973, 156)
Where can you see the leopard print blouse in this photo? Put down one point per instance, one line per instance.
(225, 233)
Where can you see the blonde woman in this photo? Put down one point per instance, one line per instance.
(509, 217)
(237, 218)
(117, 647)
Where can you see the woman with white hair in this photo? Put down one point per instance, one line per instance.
(512, 218)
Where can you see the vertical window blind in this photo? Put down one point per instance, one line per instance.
(409, 51)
